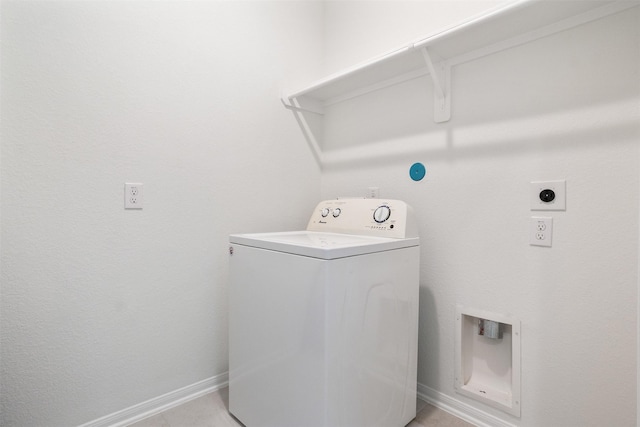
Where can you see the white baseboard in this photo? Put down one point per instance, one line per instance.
(460, 409)
(175, 398)
(159, 404)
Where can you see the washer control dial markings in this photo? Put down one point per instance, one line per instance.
(381, 214)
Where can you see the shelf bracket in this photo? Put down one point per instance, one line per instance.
(309, 107)
(441, 77)
(294, 106)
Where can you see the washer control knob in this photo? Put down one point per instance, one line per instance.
(381, 214)
(324, 212)
(336, 212)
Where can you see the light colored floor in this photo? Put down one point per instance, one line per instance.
(210, 410)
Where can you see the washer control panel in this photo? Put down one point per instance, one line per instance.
(371, 217)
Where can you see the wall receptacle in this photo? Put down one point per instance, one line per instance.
(549, 195)
(540, 231)
(133, 195)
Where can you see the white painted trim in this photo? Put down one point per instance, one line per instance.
(460, 409)
(161, 403)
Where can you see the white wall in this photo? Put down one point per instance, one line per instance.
(104, 308)
(563, 107)
(356, 31)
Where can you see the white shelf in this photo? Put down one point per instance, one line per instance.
(502, 28)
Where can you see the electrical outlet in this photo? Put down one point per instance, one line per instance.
(133, 196)
(541, 231)
(548, 195)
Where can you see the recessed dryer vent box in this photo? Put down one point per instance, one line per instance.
(488, 365)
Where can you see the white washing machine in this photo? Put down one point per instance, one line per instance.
(323, 323)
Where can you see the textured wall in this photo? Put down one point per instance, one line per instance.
(104, 308)
(356, 31)
(563, 107)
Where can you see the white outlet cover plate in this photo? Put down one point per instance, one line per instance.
(133, 195)
(541, 231)
(560, 201)
(373, 193)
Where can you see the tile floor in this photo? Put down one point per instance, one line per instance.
(210, 410)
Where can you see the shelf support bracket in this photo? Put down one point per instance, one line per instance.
(293, 105)
(311, 107)
(441, 77)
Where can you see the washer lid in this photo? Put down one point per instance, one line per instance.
(321, 245)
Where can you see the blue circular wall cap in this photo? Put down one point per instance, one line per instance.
(417, 171)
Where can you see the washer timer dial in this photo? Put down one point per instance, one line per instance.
(381, 214)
